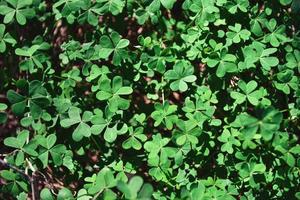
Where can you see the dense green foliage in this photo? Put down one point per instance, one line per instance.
(150, 99)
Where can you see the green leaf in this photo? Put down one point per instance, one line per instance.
(290, 159)
(65, 194)
(131, 189)
(46, 194)
(113, 92)
(17, 142)
(122, 43)
(168, 4)
(14, 97)
(74, 114)
(110, 135)
(21, 19)
(182, 73)
(3, 106)
(285, 2)
(124, 91)
(82, 130)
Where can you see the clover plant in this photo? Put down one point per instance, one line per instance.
(149, 99)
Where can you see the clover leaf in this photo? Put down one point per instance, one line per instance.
(15, 183)
(266, 60)
(64, 193)
(236, 33)
(18, 101)
(158, 61)
(237, 5)
(32, 58)
(293, 59)
(286, 81)
(45, 194)
(289, 154)
(230, 139)
(134, 140)
(249, 93)
(186, 133)
(101, 182)
(200, 110)
(97, 72)
(111, 129)
(90, 13)
(224, 62)
(203, 10)
(5, 38)
(113, 43)
(257, 23)
(257, 52)
(159, 155)
(112, 93)
(155, 5)
(73, 50)
(122, 169)
(277, 35)
(113, 6)
(82, 129)
(250, 58)
(48, 148)
(249, 168)
(164, 114)
(66, 8)
(267, 123)
(182, 74)
(83, 195)
(18, 9)
(135, 189)
(20, 143)
(36, 98)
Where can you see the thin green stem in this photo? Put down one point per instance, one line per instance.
(162, 91)
(96, 143)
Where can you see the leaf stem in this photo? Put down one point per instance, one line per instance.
(96, 196)
(96, 143)
(162, 91)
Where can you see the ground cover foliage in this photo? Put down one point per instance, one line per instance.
(160, 99)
